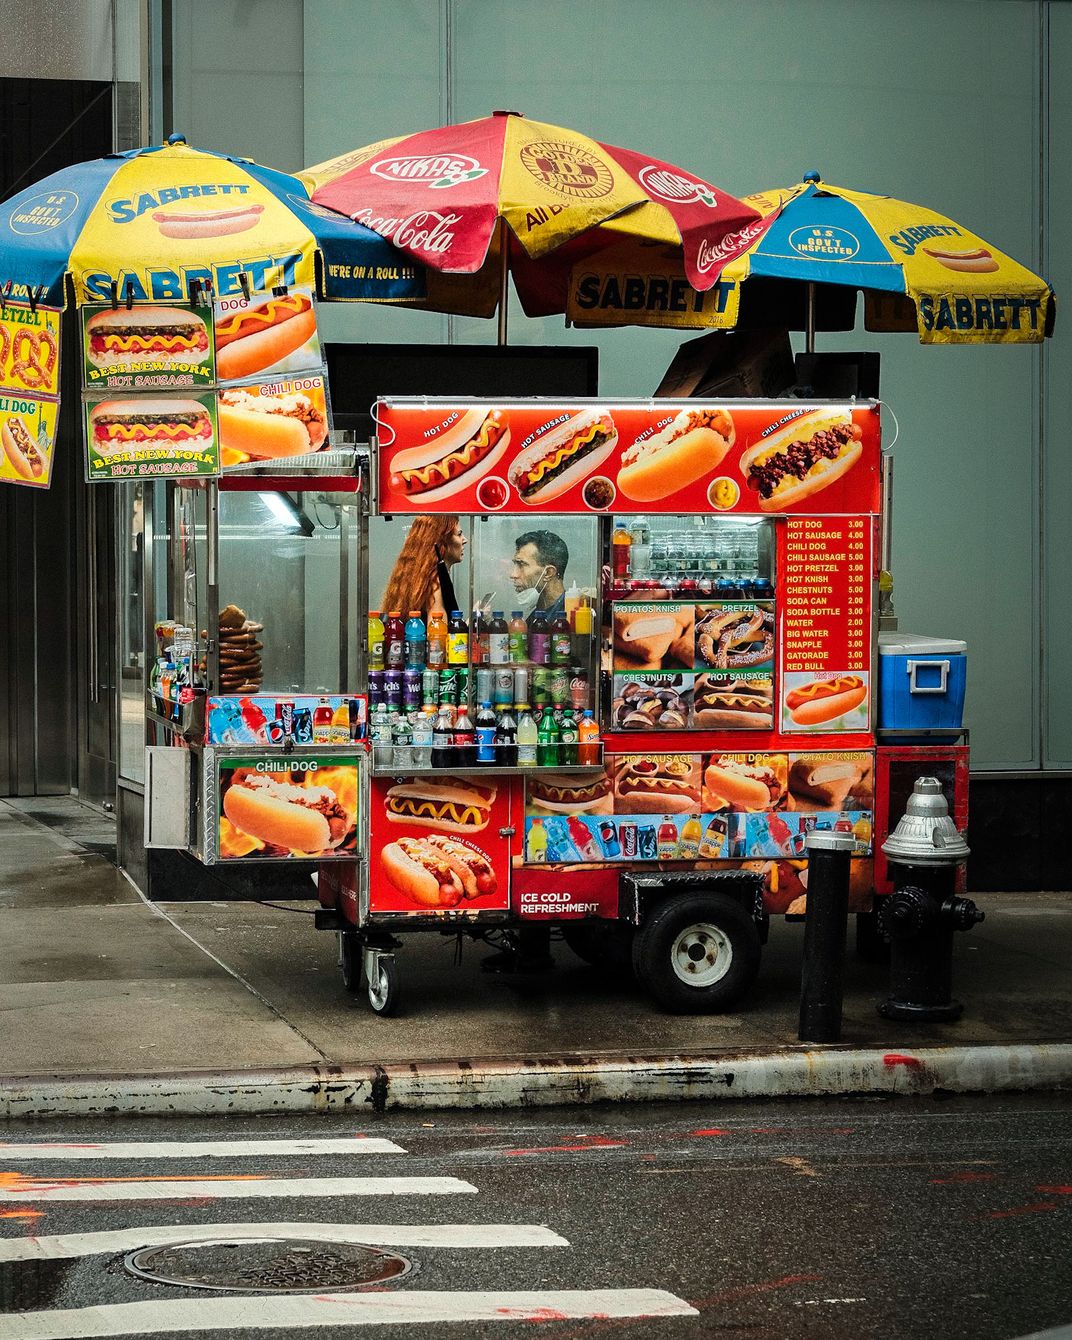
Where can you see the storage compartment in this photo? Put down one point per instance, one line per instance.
(921, 683)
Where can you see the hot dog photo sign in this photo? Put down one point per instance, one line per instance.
(657, 457)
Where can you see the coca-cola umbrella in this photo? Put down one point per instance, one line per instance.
(478, 200)
(818, 247)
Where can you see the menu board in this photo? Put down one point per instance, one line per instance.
(825, 584)
(727, 456)
(29, 392)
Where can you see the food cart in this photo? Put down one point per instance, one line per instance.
(705, 578)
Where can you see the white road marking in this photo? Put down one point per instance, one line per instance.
(197, 1149)
(357, 1309)
(225, 1188)
(65, 1245)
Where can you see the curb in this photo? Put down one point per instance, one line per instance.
(526, 1083)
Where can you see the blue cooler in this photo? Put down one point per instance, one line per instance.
(921, 684)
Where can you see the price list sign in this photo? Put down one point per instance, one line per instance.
(825, 591)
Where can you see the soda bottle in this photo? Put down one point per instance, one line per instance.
(498, 639)
(402, 742)
(539, 638)
(526, 737)
(457, 639)
(485, 734)
(322, 722)
(561, 644)
(375, 640)
(621, 544)
(416, 645)
(443, 738)
(506, 740)
(464, 740)
(567, 736)
(479, 639)
(394, 641)
(536, 843)
(547, 741)
(517, 632)
(437, 638)
(588, 740)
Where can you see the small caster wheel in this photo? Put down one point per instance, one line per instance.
(382, 973)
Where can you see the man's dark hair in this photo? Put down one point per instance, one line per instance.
(550, 548)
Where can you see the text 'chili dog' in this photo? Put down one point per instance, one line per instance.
(692, 445)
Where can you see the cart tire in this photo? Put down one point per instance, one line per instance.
(603, 944)
(350, 961)
(697, 953)
(383, 992)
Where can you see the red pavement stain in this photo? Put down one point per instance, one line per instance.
(969, 1177)
(898, 1058)
(537, 1314)
(1055, 1190)
(13, 1181)
(713, 1131)
(1037, 1208)
(22, 1214)
(593, 1142)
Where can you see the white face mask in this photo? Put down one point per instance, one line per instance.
(528, 598)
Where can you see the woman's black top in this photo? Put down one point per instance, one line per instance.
(446, 587)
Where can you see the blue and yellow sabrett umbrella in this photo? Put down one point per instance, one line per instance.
(146, 224)
(821, 246)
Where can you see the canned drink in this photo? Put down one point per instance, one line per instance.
(448, 686)
(284, 714)
(430, 687)
(647, 843)
(463, 683)
(392, 688)
(560, 685)
(627, 836)
(356, 723)
(541, 686)
(578, 690)
(375, 688)
(504, 686)
(521, 684)
(303, 726)
(485, 684)
(411, 690)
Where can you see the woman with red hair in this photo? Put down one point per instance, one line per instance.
(420, 578)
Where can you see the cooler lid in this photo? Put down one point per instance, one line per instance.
(916, 644)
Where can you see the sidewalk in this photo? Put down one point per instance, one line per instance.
(109, 1002)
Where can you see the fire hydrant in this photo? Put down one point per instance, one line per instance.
(923, 911)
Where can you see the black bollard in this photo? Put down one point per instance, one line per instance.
(825, 919)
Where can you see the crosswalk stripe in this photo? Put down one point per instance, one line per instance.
(61, 1245)
(16, 1188)
(356, 1309)
(195, 1149)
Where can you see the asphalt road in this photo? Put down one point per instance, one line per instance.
(808, 1219)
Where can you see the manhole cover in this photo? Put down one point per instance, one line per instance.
(266, 1265)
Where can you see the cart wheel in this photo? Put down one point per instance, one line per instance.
(697, 953)
(350, 961)
(604, 944)
(383, 986)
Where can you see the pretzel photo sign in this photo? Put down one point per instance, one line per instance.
(30, 350)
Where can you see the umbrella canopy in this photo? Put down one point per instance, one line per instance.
(504, 192)
(819, 245)
(152, 221)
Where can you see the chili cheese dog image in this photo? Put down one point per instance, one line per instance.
(454, 806)
(21, 449)
(825, 699)
(422, 873)
(213, 223)
(977, 260)
(470, 865)
(656, 785)
(266, 427)
(142, 424)
(692, 445)
(741, 786)
(263, 334)
(453, 459)
(809, 455)
(563, 457)
(296, 818)
(120, 340)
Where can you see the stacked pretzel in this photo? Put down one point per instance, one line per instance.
(240, 652)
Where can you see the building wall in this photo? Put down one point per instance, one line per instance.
(944, 102)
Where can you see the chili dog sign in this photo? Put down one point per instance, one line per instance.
(658, 456)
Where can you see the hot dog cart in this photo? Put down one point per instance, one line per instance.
(706, 599)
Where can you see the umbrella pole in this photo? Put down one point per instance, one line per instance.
(504, 280)
(809, 333)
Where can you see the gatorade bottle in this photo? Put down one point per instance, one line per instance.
(437, 638)
(416, 644)
(518, 638)
(375, 640)
(536, 845)
(394, 641)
